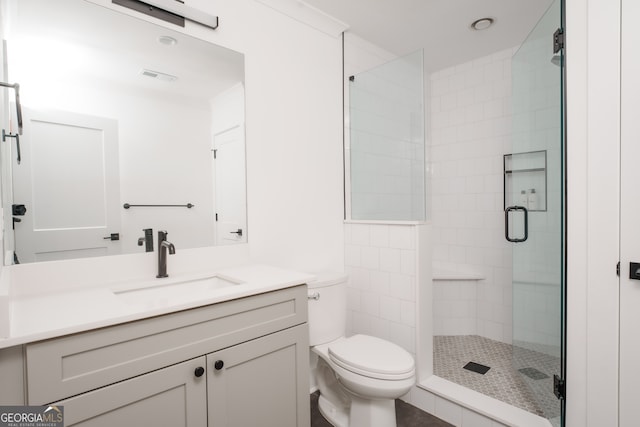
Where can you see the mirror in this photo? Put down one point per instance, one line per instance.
(118, 110)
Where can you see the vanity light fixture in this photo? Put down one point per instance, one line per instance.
(173, 11)
(482, 24)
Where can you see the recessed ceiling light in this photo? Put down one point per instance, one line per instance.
(482, 24)
(167, 40)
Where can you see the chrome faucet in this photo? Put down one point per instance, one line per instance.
(163, 245)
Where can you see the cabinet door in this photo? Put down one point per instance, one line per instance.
(263, 382)
(169, 397)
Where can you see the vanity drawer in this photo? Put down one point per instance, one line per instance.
(73, 364)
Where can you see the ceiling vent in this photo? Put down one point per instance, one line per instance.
(158, 75)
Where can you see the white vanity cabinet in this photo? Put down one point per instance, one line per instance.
(240, 363)
(169, 397)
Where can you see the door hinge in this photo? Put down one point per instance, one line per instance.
(559, 387)
(215, 153)
(558, 40)
(618, 269)
(216, 216)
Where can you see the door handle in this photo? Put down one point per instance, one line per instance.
(634, 270)
(239, 232)
(113, 236)
(526, 223)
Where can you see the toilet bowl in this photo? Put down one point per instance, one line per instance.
(360, 376)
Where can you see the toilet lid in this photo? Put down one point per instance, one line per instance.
(373, 357)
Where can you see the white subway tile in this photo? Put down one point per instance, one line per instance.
(402, 335)
(423, 399)
(360, 234)
(402, 286)
(370, 257)
(402, 237)
(352, 256)
(380, 328)
(359, 278)
(390, 260)
(380, 235)
(408, 313)
(448, 102)
(370, 303)
(353, 299)
(390, 308)
(407, 261)
(439, 86)
(448, 411)
(379, 281)
(473, 419)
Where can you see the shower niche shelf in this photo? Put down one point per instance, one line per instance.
(525, 180)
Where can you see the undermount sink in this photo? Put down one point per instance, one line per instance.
(175, 292)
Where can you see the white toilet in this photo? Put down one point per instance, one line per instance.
(359, 377)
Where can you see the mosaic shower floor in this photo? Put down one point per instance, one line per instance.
(502, 381)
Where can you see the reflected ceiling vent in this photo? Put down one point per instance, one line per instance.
(158, 75)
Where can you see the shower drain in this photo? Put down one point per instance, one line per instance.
(476, 367)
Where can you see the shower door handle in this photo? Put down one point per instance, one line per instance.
(506, 223)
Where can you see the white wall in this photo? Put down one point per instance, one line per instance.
(294, 134)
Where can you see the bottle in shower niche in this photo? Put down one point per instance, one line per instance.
(532, 200)
(524, 199)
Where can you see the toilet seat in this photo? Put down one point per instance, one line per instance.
(372, 357)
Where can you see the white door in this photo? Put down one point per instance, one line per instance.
(68, 181)
(630, 217)
(230, 190)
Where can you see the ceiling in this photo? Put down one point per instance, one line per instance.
(440, 27)
(77, 41)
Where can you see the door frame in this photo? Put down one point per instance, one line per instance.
(593, 102)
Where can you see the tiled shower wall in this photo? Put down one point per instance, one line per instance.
(381, 262)
(470, 132)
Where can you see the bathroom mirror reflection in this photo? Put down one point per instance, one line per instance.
(118, 110)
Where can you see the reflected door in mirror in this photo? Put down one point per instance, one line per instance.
(68, 181)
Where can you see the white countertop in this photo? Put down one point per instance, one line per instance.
(50, 315)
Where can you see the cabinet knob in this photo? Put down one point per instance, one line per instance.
(199, 371)
(218, 364)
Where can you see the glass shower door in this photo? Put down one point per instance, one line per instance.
(534, 214)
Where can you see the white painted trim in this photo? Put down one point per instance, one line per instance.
(593, 42)
(309, 15)
(424, 302)
(576, 63)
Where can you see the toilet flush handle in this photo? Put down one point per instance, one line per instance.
(314, 296)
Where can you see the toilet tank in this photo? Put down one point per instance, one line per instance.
(327, 307)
